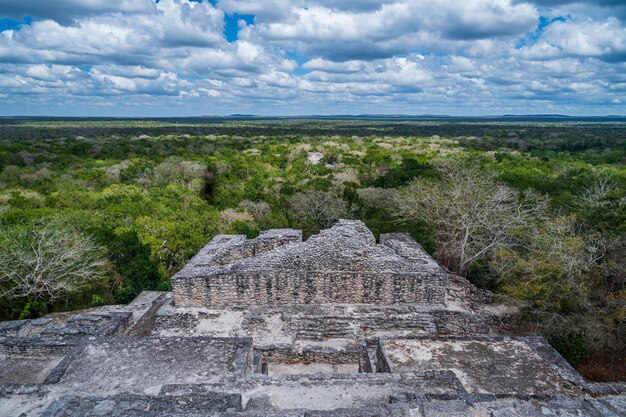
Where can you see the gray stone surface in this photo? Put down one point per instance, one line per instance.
(275, 325)
(343, 264)
(138, 405)
(340, 326)
(485, 365)
(33, 360)
(132, 364)
(99, 322)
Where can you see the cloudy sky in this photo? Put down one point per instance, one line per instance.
(289, 57)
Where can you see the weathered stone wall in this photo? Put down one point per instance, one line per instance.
(35, 347)
(314, 354)
(225, 249)
(308, 287)
(296, 360)
(340, 265)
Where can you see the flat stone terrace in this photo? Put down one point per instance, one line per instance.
(270, 352)
(315, 373)
(486, 365)
(144, 364)
(343, 264)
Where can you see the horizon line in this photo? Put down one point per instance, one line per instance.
(336, 115)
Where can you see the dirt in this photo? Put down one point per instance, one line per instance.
(597, 368)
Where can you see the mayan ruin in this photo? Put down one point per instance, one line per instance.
(341, 324)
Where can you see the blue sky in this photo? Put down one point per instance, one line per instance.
(295, 57)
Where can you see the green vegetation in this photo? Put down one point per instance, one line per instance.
(533, 210)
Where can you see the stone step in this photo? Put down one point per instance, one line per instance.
(109, 408)
(198, 403)
(469, 405)
(229, 406)
(319, 391)
(383, 411)
(192, 404)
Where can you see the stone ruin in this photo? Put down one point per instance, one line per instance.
(337, 325)
(340, 265)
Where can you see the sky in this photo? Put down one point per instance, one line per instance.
(297, 57)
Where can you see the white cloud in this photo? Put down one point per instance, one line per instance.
(321, 64)
(462, 63)
(121, 38)
(352, 56)
(265, 10)
(585, 37)
(67, 10)
(580, 37)
(394, 28)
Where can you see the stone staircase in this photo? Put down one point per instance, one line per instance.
(471, 405)
(408, 404)
(323, 327)
(145, 405)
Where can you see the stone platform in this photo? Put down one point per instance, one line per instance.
(370, 329)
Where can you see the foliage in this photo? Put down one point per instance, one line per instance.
(536, 208)
(321, 207)
(134, 263)
(472, 215)
(555, 269)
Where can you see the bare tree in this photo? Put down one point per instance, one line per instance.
(595, 195)
(188, 174)
(380, 198)
(323, 207)
(230, 217)
(257, 209)
(471, 214)
(559, 275)
(47, 261)
(556, 256)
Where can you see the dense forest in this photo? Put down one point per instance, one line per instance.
(95, 211)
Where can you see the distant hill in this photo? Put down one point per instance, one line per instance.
(210, 119)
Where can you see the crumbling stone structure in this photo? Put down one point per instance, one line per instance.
(337, 326)
(341, 265)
